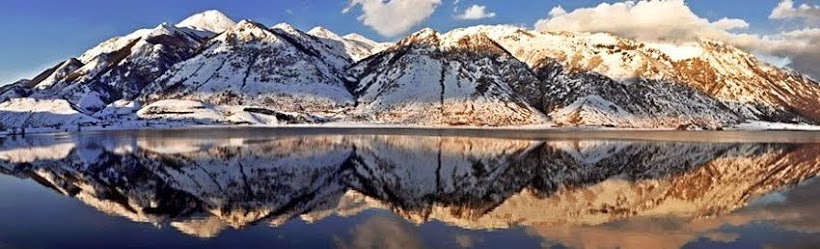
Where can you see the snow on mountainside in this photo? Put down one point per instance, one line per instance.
(58, 113)
(249, 64)
(434, 79)
(484, 75)
(17, 89)
(592, 99)
(749, 87)
(52, 76)
(356, 46)
(116, 69)
(211, 21)
(374, 46)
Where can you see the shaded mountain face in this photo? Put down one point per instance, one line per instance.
(474, 183)
(583, 98)
(249, 64)
(17, 89)
(451, 79)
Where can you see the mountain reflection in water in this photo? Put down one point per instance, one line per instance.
(578, 193)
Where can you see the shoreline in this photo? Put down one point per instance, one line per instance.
(531, 132)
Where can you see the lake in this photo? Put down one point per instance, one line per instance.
(410, 188)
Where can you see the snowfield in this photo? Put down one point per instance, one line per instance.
(33, 113)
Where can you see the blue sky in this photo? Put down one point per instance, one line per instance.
(39, 33)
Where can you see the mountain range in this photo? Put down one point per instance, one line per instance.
(209, 69)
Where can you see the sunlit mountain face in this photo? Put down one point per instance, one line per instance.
(594, 191)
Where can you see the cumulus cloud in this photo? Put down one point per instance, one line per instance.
(393, 17)
(475, 12)
(801, 47)
(645, 20)
(674, 21)
(786, 10)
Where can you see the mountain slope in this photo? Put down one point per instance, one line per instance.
(250, 64)
(53, 113)
(434, 79)
(594, 79)
(749, 87)
(116, 69)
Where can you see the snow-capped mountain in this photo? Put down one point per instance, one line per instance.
(116, 69)
(249, 64)
(658, 82)
(451, 79)
(212, 21)
(211, 70)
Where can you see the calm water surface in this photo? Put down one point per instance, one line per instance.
(358, 188)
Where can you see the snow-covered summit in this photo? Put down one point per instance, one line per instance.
(211, 20)
(357, 47)
(249, 64)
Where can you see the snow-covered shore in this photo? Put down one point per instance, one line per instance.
(147, 125)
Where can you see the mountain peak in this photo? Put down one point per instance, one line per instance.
(426, 36)
(358, 37)
(247, 31)
(211, 20)
(246, 25)
(319, 31)
(425, 32)
(286, 27)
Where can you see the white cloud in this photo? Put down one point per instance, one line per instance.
(802, 47)
(730, 24)
(645, 20)
(674, 21)
(557, 11)
(786, 10)
(475, 12)
(393, 17)
(774, 60)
